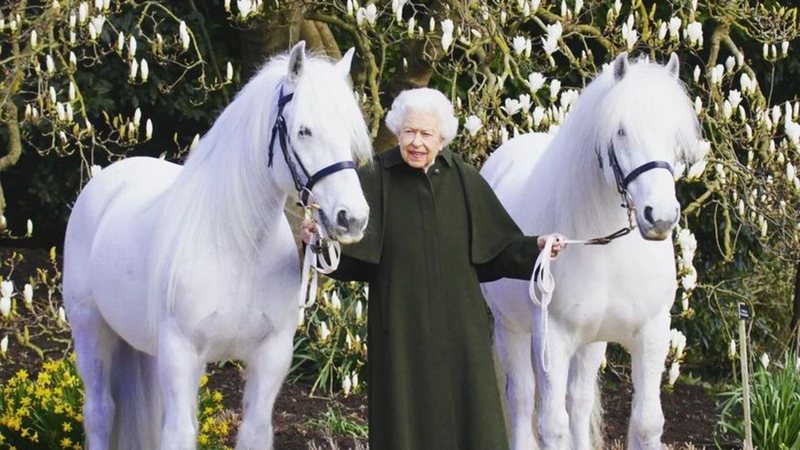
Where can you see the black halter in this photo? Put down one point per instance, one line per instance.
(622, 182)
(293, 159)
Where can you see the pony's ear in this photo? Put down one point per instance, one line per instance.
(297, 60)
(620, 65)
(343, 66)
(674, 65)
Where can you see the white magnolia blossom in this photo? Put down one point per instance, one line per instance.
(132, 47)
(50, 64)
(95, 170)
(550, 42)
(195, 141)
(83, 12)
(674, 28)
(148, 129)
(472, 124)
(323, 331)
(511, 106)
(765, 361)
(34, 39)
(727, 110)
(674, 372)
(776, 114)
(747, 84)
(183, 32)
(689, 280)
(62, 315)
(696, 74)
(27, 293)
(346, 385)
(792, 130)
(524, 102)
(538, 115)
(447, 34)
(354, 380)
(134, 69)
(70, 113)
(6, 288)
(698, 105)
(535, 81)
(4, 345)
(578, 6)
(120, 41)
(694, 34)
(730, 64)
(144, 70)
(73, 60)
(245, 7)
(555, 86)
(29, 227)
(301, 317)
(629, 34)
(677, 343)
(790, 173)
(717, 73)
(732, 349)
(519, 44)
(92, 32)
(359, 310)
(662, 31)
(98, 21)
(397, 8)
(137, 117)
(5, 306)
(734, 97)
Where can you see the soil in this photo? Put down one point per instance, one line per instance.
(299, 417)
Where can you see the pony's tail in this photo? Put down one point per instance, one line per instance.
(596, 428)
(134, 388)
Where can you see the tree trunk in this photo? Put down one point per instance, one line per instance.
(14, 145)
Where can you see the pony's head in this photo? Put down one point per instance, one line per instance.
(647, 124)
(323, 131)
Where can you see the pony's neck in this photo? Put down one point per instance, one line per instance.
(226, 184)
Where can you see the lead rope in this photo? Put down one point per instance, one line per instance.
(542, 279)
(313, 264)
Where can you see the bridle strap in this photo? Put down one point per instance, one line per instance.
(293, 161)
(644, 168)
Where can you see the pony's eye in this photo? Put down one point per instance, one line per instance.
(304, 131)
(621, 132)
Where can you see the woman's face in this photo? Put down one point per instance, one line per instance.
(420, 139)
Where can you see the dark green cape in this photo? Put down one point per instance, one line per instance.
(431, 239)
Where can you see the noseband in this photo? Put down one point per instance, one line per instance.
(293, 161)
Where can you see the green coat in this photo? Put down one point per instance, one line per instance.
(431, 239)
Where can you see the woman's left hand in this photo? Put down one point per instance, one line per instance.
(559, 244)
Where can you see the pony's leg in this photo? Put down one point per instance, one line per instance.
(266, 369)
(581, 393)
(647, 360)
(95, 343)
(514, 351)
(179, 372)
(552, 382)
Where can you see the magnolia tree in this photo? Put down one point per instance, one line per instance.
(54, 52)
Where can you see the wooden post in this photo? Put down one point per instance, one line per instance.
(744, 314)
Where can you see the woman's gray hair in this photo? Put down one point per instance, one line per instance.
(427, 100)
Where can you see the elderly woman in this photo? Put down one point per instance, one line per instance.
(436, 230)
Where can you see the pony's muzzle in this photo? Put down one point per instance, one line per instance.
(657, 227)
(350, 227)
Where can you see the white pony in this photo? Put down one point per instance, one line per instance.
(167, 268)
(625, 132)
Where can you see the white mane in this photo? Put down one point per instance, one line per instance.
(653, 108)
(227, 198)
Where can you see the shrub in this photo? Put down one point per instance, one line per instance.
(45, 412)
(774, 406)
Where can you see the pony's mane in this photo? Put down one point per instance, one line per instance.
(648, 101)
(226, 198)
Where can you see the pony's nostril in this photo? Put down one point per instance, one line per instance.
(342, 220)
(648, 214)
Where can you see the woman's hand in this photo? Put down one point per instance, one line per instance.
(559, 244)
(307, 229)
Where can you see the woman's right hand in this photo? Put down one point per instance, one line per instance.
(307, 229)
